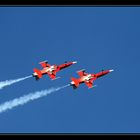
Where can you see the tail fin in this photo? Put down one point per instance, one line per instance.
(38, 72)
(75, 82)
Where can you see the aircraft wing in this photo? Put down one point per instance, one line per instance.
(44, 64)
(81, 72)
(53, 75)
(89, 83)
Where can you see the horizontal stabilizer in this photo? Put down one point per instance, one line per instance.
(75, 81)
(38, 73)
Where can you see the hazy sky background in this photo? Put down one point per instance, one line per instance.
(98, 38)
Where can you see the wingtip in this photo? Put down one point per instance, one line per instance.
(55, 78)
(43, 61)
(81, 70)
(92, 86)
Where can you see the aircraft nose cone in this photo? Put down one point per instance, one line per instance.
(111, 70)
(74, 62)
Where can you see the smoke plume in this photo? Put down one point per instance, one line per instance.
(26, 98)
(10, 82)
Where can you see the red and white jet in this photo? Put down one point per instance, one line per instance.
(51, 70)
(87, 78)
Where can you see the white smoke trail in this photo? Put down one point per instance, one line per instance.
(10, 82)
(26, 98)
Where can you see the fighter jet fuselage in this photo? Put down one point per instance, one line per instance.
(87, 78)
(51, 70)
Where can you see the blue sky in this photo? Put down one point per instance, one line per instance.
(98, 38)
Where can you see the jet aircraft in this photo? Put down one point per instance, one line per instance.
(87, 78)
(51, 70)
